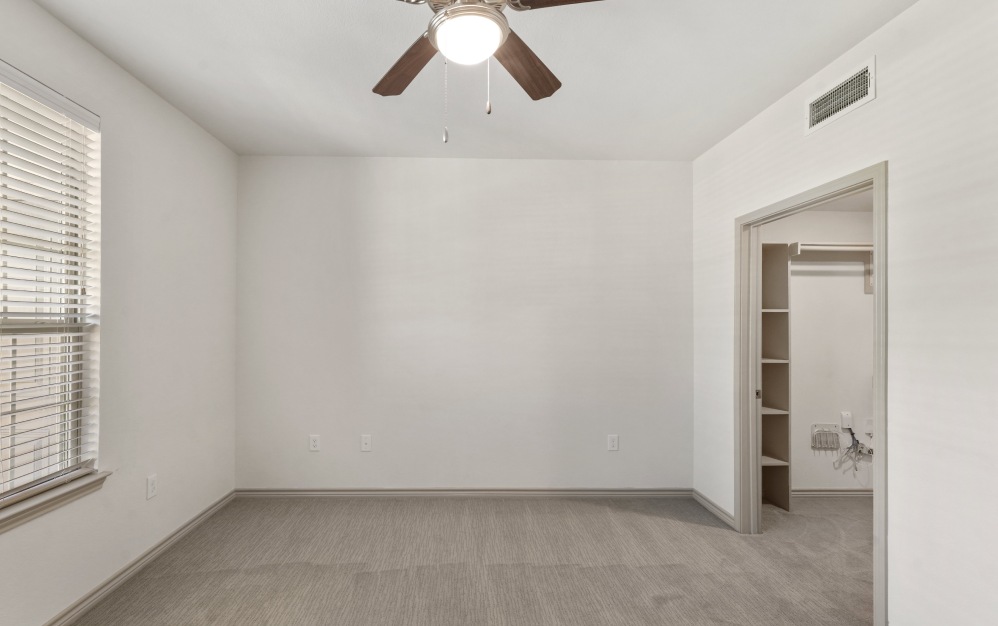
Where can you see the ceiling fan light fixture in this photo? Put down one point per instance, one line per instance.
(468, 34)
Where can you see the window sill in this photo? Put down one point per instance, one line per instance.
(38, 505)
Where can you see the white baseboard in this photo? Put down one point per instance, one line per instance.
(718, 512)
(836, 493)
(84, 604)
(488, 493)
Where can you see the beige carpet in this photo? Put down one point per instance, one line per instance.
(523, 561)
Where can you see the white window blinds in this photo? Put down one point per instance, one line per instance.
(49, 295)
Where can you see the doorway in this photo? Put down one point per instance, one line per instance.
(758, 382)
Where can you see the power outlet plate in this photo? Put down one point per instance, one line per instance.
(612, 443)
(152, 486)
(313, 443)
(365, 443)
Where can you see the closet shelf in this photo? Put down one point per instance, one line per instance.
(774, 341)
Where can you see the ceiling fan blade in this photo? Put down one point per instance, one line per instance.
(527, 5)
(406, 68)
(526, 68)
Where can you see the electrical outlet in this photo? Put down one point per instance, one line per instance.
(313, 443)
(152, 486)
(365, 443)
(612, 443)
(846, 417)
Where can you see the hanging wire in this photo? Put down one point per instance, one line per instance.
(446, 132)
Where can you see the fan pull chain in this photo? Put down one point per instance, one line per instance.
(488, 81)
(446, 132)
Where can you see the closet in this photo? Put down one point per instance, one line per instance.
(821, 355)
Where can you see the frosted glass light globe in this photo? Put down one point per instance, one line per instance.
(468, 39)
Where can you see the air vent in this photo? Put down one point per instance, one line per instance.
(856, 90)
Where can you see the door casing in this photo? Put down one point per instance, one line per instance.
(748, 471)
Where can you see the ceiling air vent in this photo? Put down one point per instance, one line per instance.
(855, 91)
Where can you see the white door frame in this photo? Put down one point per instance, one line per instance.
(747, 423)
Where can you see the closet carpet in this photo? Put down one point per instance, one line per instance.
(524, 561)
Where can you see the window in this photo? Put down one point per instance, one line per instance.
(49, 288)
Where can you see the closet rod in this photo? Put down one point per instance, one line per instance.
(798, 248)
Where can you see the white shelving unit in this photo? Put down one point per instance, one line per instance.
(774, 368)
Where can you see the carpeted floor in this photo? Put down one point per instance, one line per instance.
(524, 561)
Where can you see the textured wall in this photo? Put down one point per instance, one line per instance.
(168, 327)
(934, 122)
(488, 322)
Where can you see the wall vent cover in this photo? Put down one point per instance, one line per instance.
(848, 95)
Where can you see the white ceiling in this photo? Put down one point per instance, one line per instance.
(643, 79)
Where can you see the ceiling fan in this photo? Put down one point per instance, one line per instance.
(469, 32)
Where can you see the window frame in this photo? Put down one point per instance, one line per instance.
(49, 491)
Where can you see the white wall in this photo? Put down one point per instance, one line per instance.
(934, 121)
(488, 322)
(168, 338)
(831, 345)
